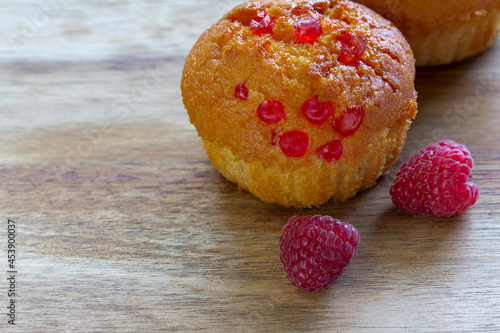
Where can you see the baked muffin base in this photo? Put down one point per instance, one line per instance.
(456, 42)
(312, 185)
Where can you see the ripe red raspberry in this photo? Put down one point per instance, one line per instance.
(436, 181)
(314, 250)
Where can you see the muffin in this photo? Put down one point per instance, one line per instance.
(442, 32)
(300, 102)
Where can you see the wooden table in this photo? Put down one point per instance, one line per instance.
(123, 225)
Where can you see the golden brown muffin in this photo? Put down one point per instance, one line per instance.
(444, 31)
(301, 101)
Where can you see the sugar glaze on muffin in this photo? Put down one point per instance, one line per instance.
(300, 102)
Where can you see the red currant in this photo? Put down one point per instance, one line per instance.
(294, 143)
(349, 122)
(353, 47)
(241, 91)
(317, 113)
(308, 29)
(330, 152)
(263, 23)
(271, 112)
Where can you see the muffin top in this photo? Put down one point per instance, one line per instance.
(427, 15)
(286, 81)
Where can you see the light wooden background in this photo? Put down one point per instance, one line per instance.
(123, 225)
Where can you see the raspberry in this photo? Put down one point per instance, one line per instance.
(294, 143)
(307, 29)
(314, 250)
(317, 113)
(271, 112)
(436, 181)
(263, 23)
(241, 91)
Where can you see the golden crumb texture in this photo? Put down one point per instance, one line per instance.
(445, 31)
(278, 67)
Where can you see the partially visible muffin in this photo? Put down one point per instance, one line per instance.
(300, 102)
(444, 31)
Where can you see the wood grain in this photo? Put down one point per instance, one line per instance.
(125, 226)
